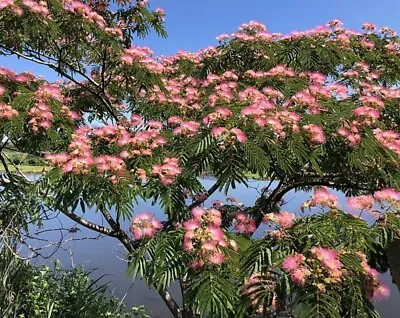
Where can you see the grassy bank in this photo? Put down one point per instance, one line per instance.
(248, 175)
(26, 168)
(39, 169)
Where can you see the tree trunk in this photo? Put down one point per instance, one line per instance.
(393, 255)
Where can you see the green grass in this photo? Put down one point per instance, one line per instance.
(25, 168)
(39, 169)
(248, 175)
(253, 176)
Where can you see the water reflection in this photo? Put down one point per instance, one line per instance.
(106, 256)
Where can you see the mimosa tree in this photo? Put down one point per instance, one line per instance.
(309, 110)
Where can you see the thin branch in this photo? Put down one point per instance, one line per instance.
(268, 203)
(103, 70)
(89, 225)
(281, 190)
(66, 75)
(55, 67)
(4, 144)
(208, 193)
(171, 303)
(4, 164)
(16, 167)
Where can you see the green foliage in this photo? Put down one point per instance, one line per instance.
(160, 261)
(258, 103)
(170, 263)
(333, 229)
(36, 292)
(211, 294)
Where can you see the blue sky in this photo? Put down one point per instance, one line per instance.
(194, 24)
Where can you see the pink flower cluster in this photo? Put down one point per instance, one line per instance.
(7, 112)
(390, 195)
(293, 264)
(281, 71)
(302, 269)
(392, 48)
(321, 197)
(220, 114)
(362, 202)
(224, 92)
(267, 106)
(316, 133)
(36, 7)
(374, 287)
(46, 91)
(369, 114)
(40, 117)
(142, 55)
(142, 3)
(372, 102)
(389, 139)
(144, 225)
(236, 134)
(6, 3)
(136, 54)
(10, 4)
(330, 261)
(240, 135)
(12, 76)
(336, 23)
(204, 237)
(351, 133)
(140, 143)
(185, 128)
(167, 171)
(283, 219)
(106, 163)
(80, 159)
(244, 223)
(84, 10)
(68, 113)
(307, 100)
(253, 26)
(366, 202)
(369, 26)
(388, 31)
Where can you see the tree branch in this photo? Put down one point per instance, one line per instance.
(266, 203)
(208, 193)
(278, 194)
(130, 246)
(171, 303)
(90, 225)
(116, 230)
(120, 234)
(66, 75)
(4, 164)
(16, 167)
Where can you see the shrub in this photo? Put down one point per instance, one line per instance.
(37, 292)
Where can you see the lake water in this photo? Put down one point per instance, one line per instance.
(106, 256)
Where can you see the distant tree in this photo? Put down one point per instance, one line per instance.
(314, 109)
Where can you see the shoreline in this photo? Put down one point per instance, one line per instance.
(39, 169)
(25, 168)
